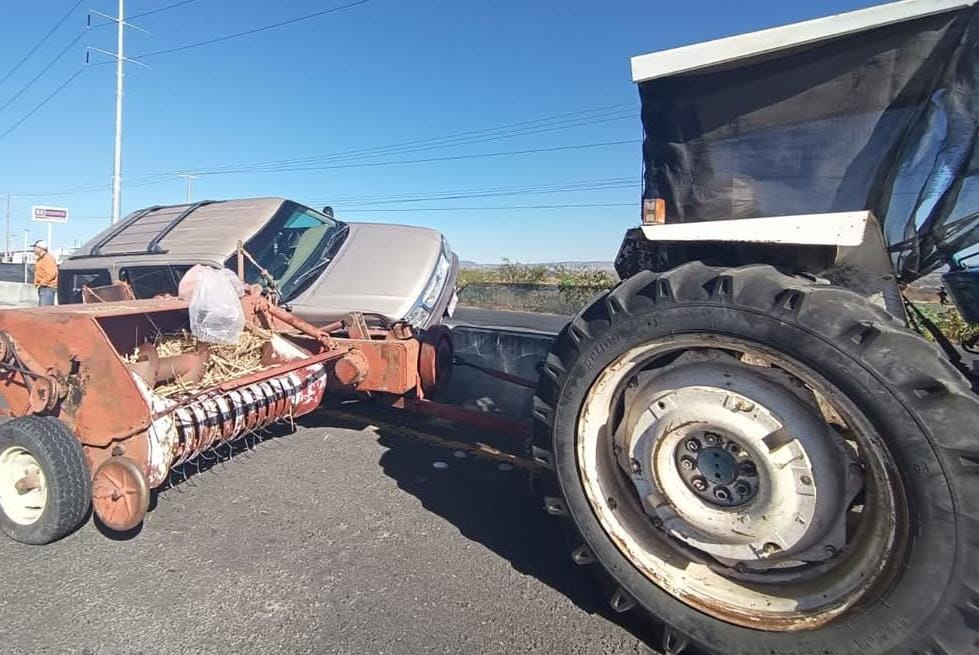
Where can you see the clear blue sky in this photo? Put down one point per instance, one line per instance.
(382, 73)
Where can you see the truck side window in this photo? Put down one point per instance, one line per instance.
(150, 281)
(70, 283)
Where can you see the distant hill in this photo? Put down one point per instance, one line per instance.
(572, 265)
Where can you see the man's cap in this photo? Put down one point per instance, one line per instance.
(41, 243)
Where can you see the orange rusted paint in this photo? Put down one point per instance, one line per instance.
(351, 369)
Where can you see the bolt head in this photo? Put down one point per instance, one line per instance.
(734, 448)
(806, 480)
(686, 464)
(711, 438)
(693, 445)
(635, 466)
(742, 489)
(722, 493)
(699, 484)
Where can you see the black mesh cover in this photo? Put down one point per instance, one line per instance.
(883, 120)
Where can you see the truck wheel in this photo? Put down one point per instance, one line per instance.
(45, 488)
(765, 465)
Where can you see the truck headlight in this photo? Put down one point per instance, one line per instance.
(437, 282)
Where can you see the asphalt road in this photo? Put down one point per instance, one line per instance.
(340, 538)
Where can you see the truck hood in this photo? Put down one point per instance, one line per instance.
(379, 269)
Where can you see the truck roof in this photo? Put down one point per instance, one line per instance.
(708, 55)
(200, 231)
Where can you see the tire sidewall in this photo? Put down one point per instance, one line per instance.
(47, 527)
(931, 558)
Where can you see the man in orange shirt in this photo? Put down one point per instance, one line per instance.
(45, 274)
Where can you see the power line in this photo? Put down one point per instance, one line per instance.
(156, 11)
(44, 70)
(483, 135)
(151, 12)
(505, 153)
(256, 30)
(507, 130)
(502, 208)
(41, 42)
(43, 102)
(495, 192)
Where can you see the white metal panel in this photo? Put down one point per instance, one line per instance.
(713, 53)
(838, 229)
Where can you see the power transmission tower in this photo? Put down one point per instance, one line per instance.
(119, 56)
(190, 183)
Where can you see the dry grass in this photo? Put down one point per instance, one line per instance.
(226, 362)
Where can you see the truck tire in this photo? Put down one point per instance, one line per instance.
(45, 489)
(765, 465)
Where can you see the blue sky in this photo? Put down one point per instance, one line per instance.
(383, 73)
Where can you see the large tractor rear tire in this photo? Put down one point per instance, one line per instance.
(766, 465)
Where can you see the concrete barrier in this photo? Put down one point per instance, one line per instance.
(17, 294)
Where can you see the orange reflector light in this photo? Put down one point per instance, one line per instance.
(653, 211)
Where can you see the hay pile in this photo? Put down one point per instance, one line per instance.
(227, 362)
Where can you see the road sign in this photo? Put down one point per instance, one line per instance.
(49, 214)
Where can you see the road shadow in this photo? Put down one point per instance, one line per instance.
(489, 501)
(184, 475)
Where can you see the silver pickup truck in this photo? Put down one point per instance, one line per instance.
(323, 268)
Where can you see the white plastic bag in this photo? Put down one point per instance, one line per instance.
(215, 307)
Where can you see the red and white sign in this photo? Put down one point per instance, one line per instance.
(49, 214)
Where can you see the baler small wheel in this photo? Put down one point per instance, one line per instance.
(44, 480)
(120, 494)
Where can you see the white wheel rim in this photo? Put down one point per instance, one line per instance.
(23, 487)
(627, 520)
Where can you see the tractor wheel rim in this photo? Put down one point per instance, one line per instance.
(717, 477)
(23, 486)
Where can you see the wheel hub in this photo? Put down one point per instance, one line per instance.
(23, 487)
(735, 464)
(721, 473)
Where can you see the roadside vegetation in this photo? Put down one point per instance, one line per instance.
(515, 286)
(560, 289)
(949, 321)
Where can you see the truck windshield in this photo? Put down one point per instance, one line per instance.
(294, 244)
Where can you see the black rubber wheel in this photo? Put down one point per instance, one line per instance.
(59, 503)
(921, 406)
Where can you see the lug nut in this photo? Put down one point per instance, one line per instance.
(699, 484)
(748, 469)
(722, 494)
(734, 448)
(686, 464)
(693, 445)
(711, 438)
(742, 489)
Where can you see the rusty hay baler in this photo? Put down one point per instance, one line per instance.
(94, 411)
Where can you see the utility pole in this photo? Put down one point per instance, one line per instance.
(6, 253)
(117, 159)
(190, 183)
(120, 58)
